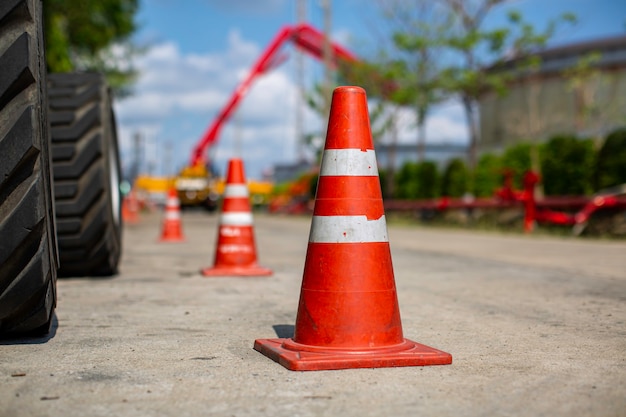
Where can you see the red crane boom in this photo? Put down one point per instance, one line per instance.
(306, 38)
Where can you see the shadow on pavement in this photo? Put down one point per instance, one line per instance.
(25, 339)
(284, 331)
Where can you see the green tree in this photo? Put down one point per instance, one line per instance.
(487, 175)
(474, 48)
(406, 186)
(417, 180)
(517, 158)
(427, 180)
(567, 165)
(415, 59)
(91, 35)
(610, 166)
(455, 178)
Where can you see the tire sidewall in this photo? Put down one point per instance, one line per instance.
(113, 167)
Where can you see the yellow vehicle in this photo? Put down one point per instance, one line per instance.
(196, 186)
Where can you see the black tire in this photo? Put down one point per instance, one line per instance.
(86, 166)
(28, 258)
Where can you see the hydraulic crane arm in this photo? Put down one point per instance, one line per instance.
(306, 38)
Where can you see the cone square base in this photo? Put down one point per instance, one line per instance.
(318, 359)
(236, 271)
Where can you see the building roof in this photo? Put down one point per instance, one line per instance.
(556, 59)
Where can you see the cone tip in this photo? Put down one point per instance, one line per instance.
(348, 121)
(235, 173)
(348, 89)
(235, 164)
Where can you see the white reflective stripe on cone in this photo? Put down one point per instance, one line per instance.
(172, 215)
(236, 218)
(349, 162)
(236, 190)
(172, 202)
(226, 248)
(348, 229)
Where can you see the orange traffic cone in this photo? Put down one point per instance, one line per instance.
(348, 314)
(130, 209)
(172, 226)
(235, 253)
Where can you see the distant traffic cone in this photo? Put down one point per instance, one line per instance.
(348, 314)
(235, 253)
(130, 209)
(172, 225)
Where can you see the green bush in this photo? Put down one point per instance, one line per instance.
(517, 159)
(487, 175)
(428, 180)
(415, 180)
(406, 181)
(567, 165)
(454, 179)
(382, 177)
(610, 168)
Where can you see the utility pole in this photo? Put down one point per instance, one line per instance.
(237, 134)
(327, 57)
(137, 148)
(301, 17)
(167, 159)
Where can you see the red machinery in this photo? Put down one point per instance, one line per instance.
(542, 211)
(306, 38)
(576, 209)
(194, 183)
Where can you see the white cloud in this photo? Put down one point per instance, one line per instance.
(200, 101)
(202, 62)
(239, 49)
(164, 52)
(342, 36)
(270, 100)
(443, 128)
(140, 107)
(179, 94)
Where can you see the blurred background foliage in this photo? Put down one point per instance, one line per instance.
(569, 165)
(92, 35)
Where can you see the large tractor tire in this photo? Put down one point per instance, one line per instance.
(86, 166)
(28, 258)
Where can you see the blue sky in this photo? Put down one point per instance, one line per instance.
(198, 50)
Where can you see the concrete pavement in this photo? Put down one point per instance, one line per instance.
(535, 325)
